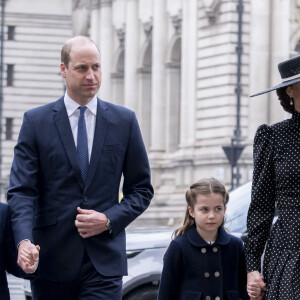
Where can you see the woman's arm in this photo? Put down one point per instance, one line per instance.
(262, 207)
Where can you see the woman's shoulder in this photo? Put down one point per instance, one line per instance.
(263, 134)
(268, 135)
(268, 130)
(280, 125)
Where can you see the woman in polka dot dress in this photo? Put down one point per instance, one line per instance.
(276, 184)
(204, 262)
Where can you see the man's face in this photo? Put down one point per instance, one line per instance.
(83, 75)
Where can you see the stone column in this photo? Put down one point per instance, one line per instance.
(117, 79)
(81, 16)
(95, 21)
(172, 106)
(131, 54)
(106, 47)
(158, 125)
(188, 73)
(259, 66)
(280, 46)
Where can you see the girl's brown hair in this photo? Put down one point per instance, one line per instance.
(201, 187)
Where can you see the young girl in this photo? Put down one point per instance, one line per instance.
(204, 261)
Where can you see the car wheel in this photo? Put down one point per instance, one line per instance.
(148, 292)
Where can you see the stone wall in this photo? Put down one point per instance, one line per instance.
(34, 34)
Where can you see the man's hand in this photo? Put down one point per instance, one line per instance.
(255, 285)
(90, 222)
(28, 256)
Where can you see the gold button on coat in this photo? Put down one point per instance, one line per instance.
(217, 274)
(215, 249)
(206, 275)
(203, 250)
(207, 298)
(217, 298)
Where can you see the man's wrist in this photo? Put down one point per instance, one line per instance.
(108, 225)
(26, 240)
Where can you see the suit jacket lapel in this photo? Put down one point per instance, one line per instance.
(63, 125)
(99, 137)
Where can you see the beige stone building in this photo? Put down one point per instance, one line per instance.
(174, 62)
(33, 34)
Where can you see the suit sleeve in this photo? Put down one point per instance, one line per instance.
(172, 273)
(23, 189)
(137, 188)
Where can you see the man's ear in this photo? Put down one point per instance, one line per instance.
(63, 69)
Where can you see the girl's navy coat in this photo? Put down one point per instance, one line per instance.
(195, 270)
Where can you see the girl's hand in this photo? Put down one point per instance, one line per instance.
(254, 291)
(255, 285)
(28, 257)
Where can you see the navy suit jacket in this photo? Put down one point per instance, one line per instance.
(46, 188)
(8, 252)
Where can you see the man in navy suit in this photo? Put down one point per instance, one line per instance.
(8, 252)
(64, 185)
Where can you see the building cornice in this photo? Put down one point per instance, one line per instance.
(211, 9)
(96, 4)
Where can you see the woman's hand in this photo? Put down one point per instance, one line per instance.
(255, 285)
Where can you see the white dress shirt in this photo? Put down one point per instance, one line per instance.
(89, 115)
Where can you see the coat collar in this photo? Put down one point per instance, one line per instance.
(63, 126)
(99, 138)
(196, 240)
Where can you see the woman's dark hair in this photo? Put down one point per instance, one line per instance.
(201, 187)
(285, 99)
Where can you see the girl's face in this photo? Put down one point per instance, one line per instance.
(208, 213)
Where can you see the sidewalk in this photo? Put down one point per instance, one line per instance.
(16, 288)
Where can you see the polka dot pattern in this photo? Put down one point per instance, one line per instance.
(276, 184)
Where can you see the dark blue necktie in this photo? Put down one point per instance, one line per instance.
(82, 145)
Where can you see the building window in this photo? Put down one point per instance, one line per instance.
(11, 33)
(9, 129)
(10, 75)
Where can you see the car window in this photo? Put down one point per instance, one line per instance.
(237, 208)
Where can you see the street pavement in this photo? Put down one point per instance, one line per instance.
(16, 288)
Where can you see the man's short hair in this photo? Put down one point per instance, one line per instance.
(67, 47)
